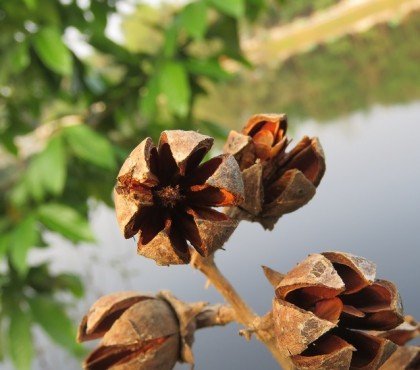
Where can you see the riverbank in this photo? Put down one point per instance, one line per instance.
(274, 45)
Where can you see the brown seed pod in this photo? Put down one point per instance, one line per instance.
(403, 333)
(322, 300)
(331, 352)
(404, 358)
(143, 331)
(274, 277)
(276, 182)
(138, 331)
(166, 197)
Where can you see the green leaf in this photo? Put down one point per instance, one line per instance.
(47, 170)
(20, 339)
(209, 68)
(4, 243)
(33, 179)
(254, 8)
(175, 86)
(148, 99)
(234, 8)
(51, 316)
(194, 19)
(19, 194)
(24, 236)
(90, 146)
(52, 51)
(170, 44)
(54, 161)
(70, 282)
(66, 221)
(3, 338)
(20, 57)
(31, 4)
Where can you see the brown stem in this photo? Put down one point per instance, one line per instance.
(243, 313)
(216, 315)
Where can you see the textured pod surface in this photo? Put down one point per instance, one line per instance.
(294, 190)
(254, 189)
(404, 358)
(323, 304)
(138, 166)
(144, 331)
(185, 147)
(403, 333)
(276, 181)
(186, 314)
(139, 331)
(315, 273)
(332, 352)
(274, 277)
(166, 197)
(296, 328)
(102, 314)
(357, 272)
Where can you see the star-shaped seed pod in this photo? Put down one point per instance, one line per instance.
(166, 196)
(140, 331)
(324, 308)
(276, 181)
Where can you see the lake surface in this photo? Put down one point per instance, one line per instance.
(368, 203)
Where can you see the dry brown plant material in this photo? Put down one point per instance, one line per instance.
(166, 197)
(138, 332)
(404, 358)
(142, 331)
(329, 311)
(276, 182)
(403, 333)
(324, 308)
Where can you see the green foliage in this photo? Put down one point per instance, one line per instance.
(66, 221)
(20, 339)
(90, 146)
(24, 236)
(52, 50)
(174, 85)
(234, 8)
(68, 119)
(46, 171)
(53, 319)
(194, 19)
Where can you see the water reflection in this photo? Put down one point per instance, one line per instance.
(380, 66)
(368, 204)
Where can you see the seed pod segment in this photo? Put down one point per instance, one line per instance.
(167, 198)
(138, 332)
(276, 182)
(321, 302)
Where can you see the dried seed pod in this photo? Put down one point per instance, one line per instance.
(404, 358)
(322, 300)
(274, 277)
(142, 331)
(403, 333)
(138, 332)
(331, 352)
(276, 182)
(165, 196)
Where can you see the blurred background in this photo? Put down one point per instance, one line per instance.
(82, 82)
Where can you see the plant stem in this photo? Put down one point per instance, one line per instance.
(243, 313)
(215, 315)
